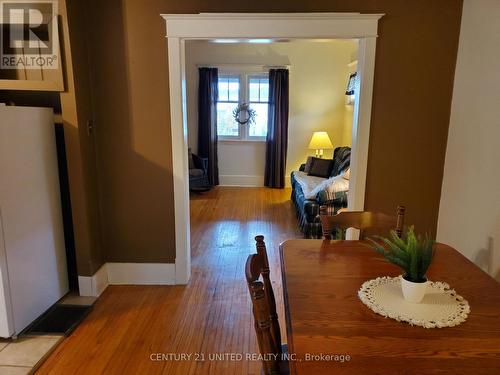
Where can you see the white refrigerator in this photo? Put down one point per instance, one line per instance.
(33, 270)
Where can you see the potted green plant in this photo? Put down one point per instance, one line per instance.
(413, 254)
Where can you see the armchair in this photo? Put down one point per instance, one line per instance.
(198, 177)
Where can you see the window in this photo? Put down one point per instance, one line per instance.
(235, 89)
(259, 100)
(229, 97)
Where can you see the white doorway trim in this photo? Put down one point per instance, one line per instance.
(182, 27)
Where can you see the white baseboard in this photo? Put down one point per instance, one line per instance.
(126, 274)
(182, 272)
(141, 273)
(246, 181)
(241, 180)
(93, 286)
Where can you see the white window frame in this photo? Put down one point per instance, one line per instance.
(244, 72)
(231, 137)
(247, 99)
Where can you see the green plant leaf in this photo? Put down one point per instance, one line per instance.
(397, 261)
(396, 250)
(398, 241)
(412, 253)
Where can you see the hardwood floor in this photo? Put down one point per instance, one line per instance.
(211, 316)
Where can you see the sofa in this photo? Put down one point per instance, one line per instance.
(307, 206)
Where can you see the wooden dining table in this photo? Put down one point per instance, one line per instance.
(330, 331)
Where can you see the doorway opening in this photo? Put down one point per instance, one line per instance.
(182, 30)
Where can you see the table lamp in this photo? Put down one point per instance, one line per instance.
(320, 141)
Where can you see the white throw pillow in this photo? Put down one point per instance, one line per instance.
(333, 184)
(337, 183)
(321, 186)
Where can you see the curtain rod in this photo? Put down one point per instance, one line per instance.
(226, 65)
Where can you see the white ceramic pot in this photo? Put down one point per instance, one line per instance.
(413, 292)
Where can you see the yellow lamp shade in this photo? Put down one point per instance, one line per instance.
(320, 141)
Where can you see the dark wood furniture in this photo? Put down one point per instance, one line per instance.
(361, 220)
(273, 315)
(324, 315)
(264, 310)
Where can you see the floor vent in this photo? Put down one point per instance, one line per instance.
(62, 319)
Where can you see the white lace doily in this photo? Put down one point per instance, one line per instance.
(441, 306)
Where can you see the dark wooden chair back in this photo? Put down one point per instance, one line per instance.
(361, 220)
(264, 308)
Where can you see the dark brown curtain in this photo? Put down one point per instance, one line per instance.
(277, 129)
(207, 121)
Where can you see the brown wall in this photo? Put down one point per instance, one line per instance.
(129, 76)
(415, 62)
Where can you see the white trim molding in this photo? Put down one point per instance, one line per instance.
(141, 273)
(178, 118)
(361, 128)
(271, 25)
(244, 26)
(241, 180)
(93, 286)
(126, 274)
